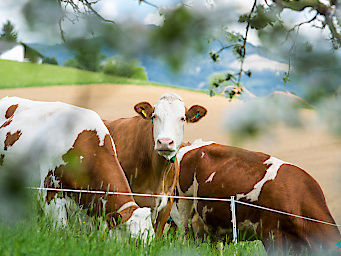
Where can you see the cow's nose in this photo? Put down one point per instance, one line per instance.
(165, 143)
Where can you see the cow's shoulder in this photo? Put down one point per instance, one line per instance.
(45, 129)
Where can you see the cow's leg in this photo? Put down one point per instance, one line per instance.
(281, 234)
(320, 236)
(163, 217)
(57, 210)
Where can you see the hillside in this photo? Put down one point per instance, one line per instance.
(16, 74)
(267, 72)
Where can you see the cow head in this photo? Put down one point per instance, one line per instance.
(140, 224)
(169, 116)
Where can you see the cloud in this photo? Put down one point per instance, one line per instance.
(258, 63)
(109, 9)
(154, 19)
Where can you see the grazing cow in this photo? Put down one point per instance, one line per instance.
(208, 169)
(69, 147)
(146, 148)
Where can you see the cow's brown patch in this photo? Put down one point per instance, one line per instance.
(2, 156)
(6, 123)
(48, 183)
(10, 111)
(11, 138)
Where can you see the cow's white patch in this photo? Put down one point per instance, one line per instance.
(49, 129)
(210, 178)
(161, 203)
(167, 122)
(181, 211)
(126, 205)
(202, 154)
(57, 210)
(196, 144)
(270, 174)
(140, 224)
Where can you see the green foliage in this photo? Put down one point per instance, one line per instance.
(51, 61)
(72, 63)
(119, 66)
(16, 74)
(8, 32)
(260, 18)
(38, 235)
(226, 83)
(174, 40)
(87, 54)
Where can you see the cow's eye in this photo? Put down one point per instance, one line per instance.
(183, 119)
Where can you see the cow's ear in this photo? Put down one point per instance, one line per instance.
(144, 109)
(195, 113)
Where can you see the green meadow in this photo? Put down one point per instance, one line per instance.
(37, 234)
(23, 74)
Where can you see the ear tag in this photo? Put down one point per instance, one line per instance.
(144, 113)
(196, 115)
(172, 160)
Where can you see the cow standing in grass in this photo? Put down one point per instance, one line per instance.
(65, 146)
(146, 148)
(208, 169)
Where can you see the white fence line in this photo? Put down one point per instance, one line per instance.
(232, 204)
(287, 213)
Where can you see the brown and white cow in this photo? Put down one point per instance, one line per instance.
(208, 169)
(146, 148)
(70, 147)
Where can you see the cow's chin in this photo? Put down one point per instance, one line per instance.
(168, 154)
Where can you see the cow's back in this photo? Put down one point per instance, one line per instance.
(35, 135)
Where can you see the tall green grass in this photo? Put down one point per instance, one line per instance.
(37, 235)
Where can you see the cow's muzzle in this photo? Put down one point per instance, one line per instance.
(165, 145)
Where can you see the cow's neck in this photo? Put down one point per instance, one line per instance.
(143, 166)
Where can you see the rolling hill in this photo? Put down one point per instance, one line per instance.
(267, 73)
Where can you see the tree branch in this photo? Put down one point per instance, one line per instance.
(244, 41)
(89, 5)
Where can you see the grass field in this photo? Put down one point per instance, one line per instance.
(36, 235)
(18, 74)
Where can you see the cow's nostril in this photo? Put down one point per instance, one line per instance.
(171, 142)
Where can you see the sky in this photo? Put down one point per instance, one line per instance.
(123, 10)
(118, 10)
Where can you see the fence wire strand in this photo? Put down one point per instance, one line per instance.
(182, 197)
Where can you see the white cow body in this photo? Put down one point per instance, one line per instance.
(46, 132)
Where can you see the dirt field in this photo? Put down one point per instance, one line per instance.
(314, 151)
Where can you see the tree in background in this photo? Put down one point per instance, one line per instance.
(119, 66)
(8, 32)
(87, 55)
(48, 60)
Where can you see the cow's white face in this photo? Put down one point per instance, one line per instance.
(140, 224)
(168, 117)
(168, 126)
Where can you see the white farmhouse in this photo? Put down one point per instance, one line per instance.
(12, 51)
(19, 52)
